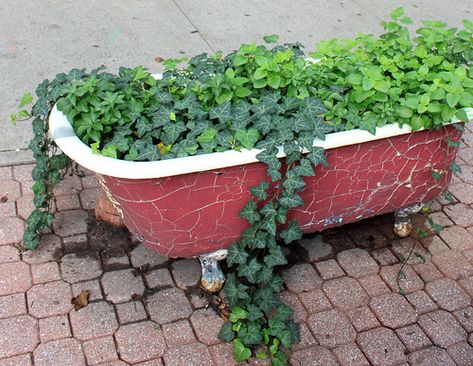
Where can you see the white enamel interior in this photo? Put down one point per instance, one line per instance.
(63, 134)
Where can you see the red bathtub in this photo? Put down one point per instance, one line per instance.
(189, 206)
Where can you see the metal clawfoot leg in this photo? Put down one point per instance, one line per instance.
(402, 221)
(212, 276)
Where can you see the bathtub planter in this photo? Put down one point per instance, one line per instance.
(188, 207)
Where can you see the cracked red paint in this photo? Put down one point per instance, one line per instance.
(192, 214)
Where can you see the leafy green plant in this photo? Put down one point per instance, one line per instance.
(269, 98)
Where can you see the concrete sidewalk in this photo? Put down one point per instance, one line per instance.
(39, 39)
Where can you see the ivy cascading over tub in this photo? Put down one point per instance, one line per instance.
(188, 207)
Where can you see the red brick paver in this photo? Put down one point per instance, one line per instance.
(353, 304)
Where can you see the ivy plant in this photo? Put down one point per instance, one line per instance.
(266, 97)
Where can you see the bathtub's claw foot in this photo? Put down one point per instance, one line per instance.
(402, 221)
(212, 276)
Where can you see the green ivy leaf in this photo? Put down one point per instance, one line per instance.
(259, 191)
(222, 112)
(241, 352)
(249, 212)
(237, 314)
(293, 232)
(235, 291)
(273, 38)
(250, 334)
(265, 299)
(291, 201)
(284, 312)
(275, 257)
(317, 156)
(455, 168)
(254, 313)
(248, 138)
(250, 270)
(304, 168)
(173, 131)
(226, 333)
(236, 254)
(293, 181)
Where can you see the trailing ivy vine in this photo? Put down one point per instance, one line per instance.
(272, 99)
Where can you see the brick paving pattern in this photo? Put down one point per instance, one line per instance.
(144, 309)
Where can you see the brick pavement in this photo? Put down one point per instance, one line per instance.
(146, 310)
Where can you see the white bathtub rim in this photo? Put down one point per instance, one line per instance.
(64, 136)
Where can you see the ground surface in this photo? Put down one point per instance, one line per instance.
(41, 38)
(147, 310)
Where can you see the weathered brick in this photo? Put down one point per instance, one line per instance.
(407, 280)
(223, 354)
(68, 202)
(142, 255)
(465, 317)
(431, 356)
(313, 356)
(45, 272)
(421, 302)
(315, 301)
(195, 354)
(291, 299)
(49, 249)
(329, 269)
(413, 337)
(448, 295)
(11, 230)
(93, 286)
(168, 305)
(442, 328)
(186, 273)
(206, 324)
(22, 360)
(345, 293)
(374, 285)
(460, 214)
(382, 347)
(178, 333)
(25, 205)
(158, 278)
(140, 342)
(11, 305)
(316, 248)
(14, 277)
(68, 223)
(384, 256)
(18, 335)
(350, 355)
(462, 353)
(457, 238)
(59, 353)
(49, 299)
(453, 265)
(362, 319)
(95, 320)
(53, 328)
(77, 268)
(88, 198)
(122, 285)
(301, 278)
(100, 350)
(393, 310)
(357, 263)
(130, 312)
(428, 272)
(331, 328)
(10, 190)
